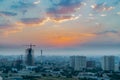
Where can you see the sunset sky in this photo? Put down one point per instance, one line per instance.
(90, 27)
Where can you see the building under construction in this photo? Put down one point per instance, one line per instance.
(29, 60)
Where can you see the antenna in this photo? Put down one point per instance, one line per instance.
(41, 52)
(41, 55)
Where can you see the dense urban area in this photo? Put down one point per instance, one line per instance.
(76, 67)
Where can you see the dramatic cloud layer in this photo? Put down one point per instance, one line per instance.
(82, 20)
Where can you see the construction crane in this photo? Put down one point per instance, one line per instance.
(31, 45)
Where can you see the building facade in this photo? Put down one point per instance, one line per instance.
(108, 63)
(78, 62)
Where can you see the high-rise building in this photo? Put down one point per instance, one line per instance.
(30, 56)
(41, 56)
(108, 63)
(78, 62)
(72, 61)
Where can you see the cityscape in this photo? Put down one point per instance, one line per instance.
(59, 39)
(76, 67)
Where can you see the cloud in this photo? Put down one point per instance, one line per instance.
(4, 26)
(103, 15)
(108, 3)
(11, 31)
(72, 39)
(106, 38)
(6, 13)
(101, 7)
(32, 20)
(63, 9)
(50, 10)
(22, 4)
(36, 2)
(19, 25)
(61, 18)
(104, 5)
(6, 29)
(118, 13)
(108, 32)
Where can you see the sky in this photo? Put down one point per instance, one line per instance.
(60, 27)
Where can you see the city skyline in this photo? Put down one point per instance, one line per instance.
(89, 27)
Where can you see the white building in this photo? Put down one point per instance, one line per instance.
(78, 62)
(1, 78)
(108, 63)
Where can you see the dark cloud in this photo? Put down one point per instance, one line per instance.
(5, 26)
(31, 20)
(63, 9)
(69, 5)
(22, 5)
(67, 2)
(7, 13)
(105, 32)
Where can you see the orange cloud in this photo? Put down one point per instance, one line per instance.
(18, 26)
(74, 39)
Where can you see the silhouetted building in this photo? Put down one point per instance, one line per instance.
(29, 56)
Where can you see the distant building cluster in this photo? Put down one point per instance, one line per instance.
(81, 63)
(30, 67)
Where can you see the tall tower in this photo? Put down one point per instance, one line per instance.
(41, 56)
(29, 56)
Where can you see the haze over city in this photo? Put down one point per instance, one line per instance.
(60, 27)
(59, 39)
